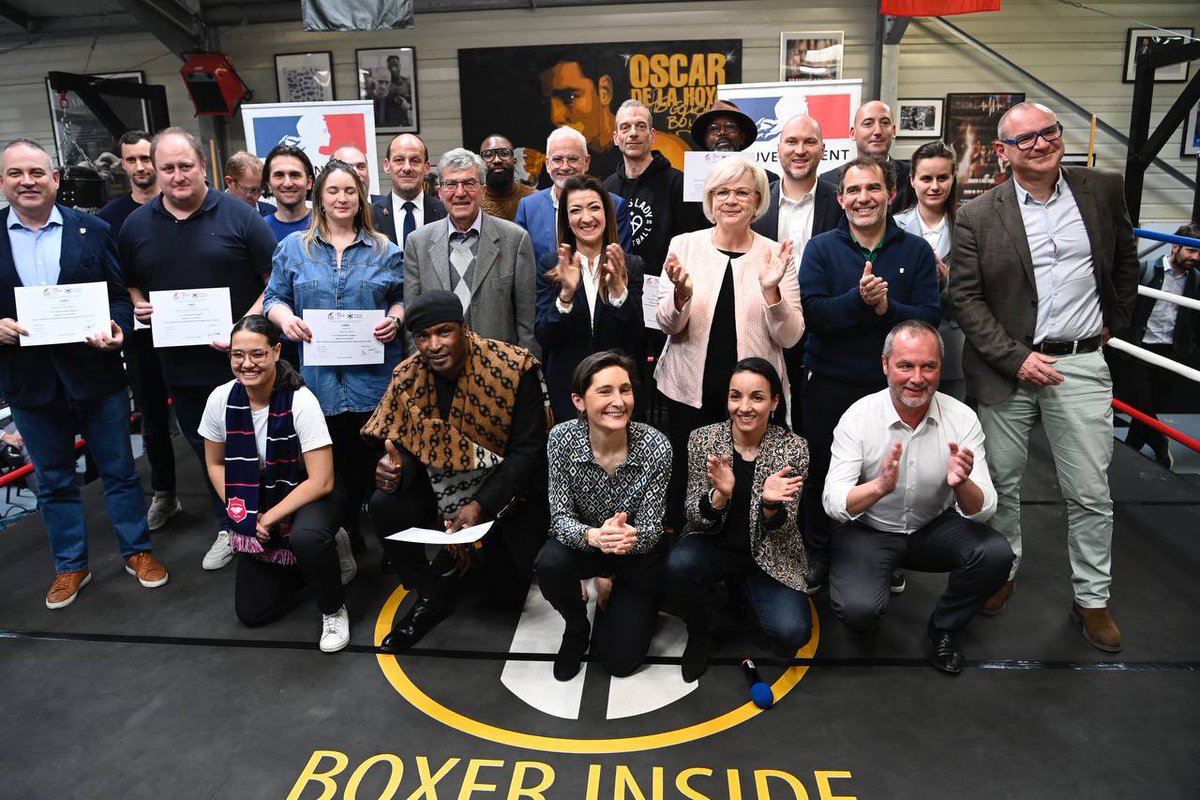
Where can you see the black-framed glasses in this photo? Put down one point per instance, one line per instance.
(496, 152)
(1028, 141)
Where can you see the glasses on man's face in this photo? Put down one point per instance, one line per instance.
(723, 126)
(742, 195)
(1028, 141)
(255, 356)
(469, 185)
(558, 161)
(497, 152)
(249, 191)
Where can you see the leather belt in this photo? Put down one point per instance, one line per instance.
(1056, 348)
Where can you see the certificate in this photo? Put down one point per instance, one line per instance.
(62, 313)
(651, 286)
(342, 337)
(696, 166)
(430, 536)
(186, 317)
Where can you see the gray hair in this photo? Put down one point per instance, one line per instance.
(633, 102)
(913, 327)
(460, 158)
(729, 170)
(567, 133)
(1021, 107)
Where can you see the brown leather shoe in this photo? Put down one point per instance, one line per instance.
(1098, 627)
(996, 603)
(146, 569)
(66, 585)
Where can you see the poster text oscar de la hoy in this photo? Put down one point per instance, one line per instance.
(680, 85)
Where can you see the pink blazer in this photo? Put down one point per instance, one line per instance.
(762, 330)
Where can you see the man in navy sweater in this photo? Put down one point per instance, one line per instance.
(856, 282)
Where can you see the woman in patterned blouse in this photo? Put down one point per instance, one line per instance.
(608, 481)
(743, 490)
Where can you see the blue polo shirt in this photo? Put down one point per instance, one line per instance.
(223, 243)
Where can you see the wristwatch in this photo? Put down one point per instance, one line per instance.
(396, 320)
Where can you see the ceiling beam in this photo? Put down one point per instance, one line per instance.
(48, 28)
(244, 12)
(17, 16)
(171, 22)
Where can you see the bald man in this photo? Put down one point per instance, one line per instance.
(873, 132)
(358, 159)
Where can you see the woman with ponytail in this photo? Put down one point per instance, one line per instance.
(270, 458)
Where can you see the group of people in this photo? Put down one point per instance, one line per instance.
(805, 328)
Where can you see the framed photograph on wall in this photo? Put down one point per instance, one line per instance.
(305, 77)
(971, 129)
(810, 55)
(387, 76)
(1190, 146)
(1139, 40)
(919, 118)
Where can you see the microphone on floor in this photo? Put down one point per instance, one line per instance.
(760, 692)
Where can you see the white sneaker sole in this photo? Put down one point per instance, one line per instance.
(64, 603)
(335, 646)
(147, 584)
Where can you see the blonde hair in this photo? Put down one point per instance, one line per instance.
(730, 170)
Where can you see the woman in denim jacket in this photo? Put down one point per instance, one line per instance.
(341, 264)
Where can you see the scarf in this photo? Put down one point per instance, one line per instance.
(243, 492)
(460, 452)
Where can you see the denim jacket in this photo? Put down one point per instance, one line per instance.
(369, 279)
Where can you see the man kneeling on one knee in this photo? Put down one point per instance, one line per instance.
(910, 485)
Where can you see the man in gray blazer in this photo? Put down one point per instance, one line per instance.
(1043, 270)
(487, 262)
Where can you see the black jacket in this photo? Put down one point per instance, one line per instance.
(1186, 339)
(826, 211)
(656, 208)
(381, 214)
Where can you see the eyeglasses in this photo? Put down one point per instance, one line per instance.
(249, 191)
(497, 152)
(255, 356)
(726, 126)
(469, 185)
(742, 195)
(558, 161)
(1028, 141)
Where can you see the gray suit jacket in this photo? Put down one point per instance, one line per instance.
(502, 291)
(992, 286)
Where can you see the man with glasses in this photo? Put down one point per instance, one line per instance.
(406, 207)
(243, 180)
(566, 156)
(486, 262)
(724, 129)
(1043, 270)
(501, 191)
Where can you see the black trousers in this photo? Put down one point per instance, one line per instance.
(150, 394)
(353, 466)
(682, 419)
(189, 404)
(625, 627)
(264, 592)
(863, 559)
(825, 400)
(509, 547)
(1148, 389)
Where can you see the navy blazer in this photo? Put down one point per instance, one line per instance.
(826, 211)
(30, 376)
(536, 214)
(385, 222)
(567, 339)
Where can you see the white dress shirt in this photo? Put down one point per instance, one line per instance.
(398, 213)
(865, 434)
(1068, 302)
(1160, 328)
(590, 279)
(796, 219)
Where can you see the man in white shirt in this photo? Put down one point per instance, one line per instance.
(406, 207)
(909, 483)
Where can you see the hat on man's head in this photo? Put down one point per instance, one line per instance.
(432, 308)
(723, 108)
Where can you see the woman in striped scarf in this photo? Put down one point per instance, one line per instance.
(270, 457)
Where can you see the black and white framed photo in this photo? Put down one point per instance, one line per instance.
(919, 118)
(305, 77)
(1190, 146)
(810, 55)
(1139, 40)
(387, 76)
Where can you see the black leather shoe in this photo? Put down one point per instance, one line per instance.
(695, 657)
(570, 653)
(420, 620)
(945, 655)
(816, 575)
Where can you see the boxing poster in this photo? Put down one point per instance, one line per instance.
(971, 121)
(523, 93)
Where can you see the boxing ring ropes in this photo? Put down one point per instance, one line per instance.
(1117, 344)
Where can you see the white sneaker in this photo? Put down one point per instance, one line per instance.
(346, 562)
(221, 552)
(164, 506)
(335, 631)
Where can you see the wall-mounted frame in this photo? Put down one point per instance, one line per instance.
(387, 76)
(1190, 146)
(919, 118)
(305, 77)
(80, 137)
(1139, 39)
(810, 55)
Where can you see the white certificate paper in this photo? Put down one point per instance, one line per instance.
(696, 166)
(187, 317)
(430, 536)
(342, 337)
(651, 286)
(63, 313)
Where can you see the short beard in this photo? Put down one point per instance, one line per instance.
(501, 179)
(153, 179)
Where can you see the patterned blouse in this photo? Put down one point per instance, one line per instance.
(583, 495)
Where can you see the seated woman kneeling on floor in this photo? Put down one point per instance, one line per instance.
(270, 457)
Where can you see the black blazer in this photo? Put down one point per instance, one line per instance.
(826, 211)
(30, 376)
(385, 222)
(1186, 335)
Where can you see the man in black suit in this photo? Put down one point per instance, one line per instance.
(57, 390)
(874, 131)
(801, 207)
(407, 207)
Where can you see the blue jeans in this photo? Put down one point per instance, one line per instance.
(695, 563)
(49, 433)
